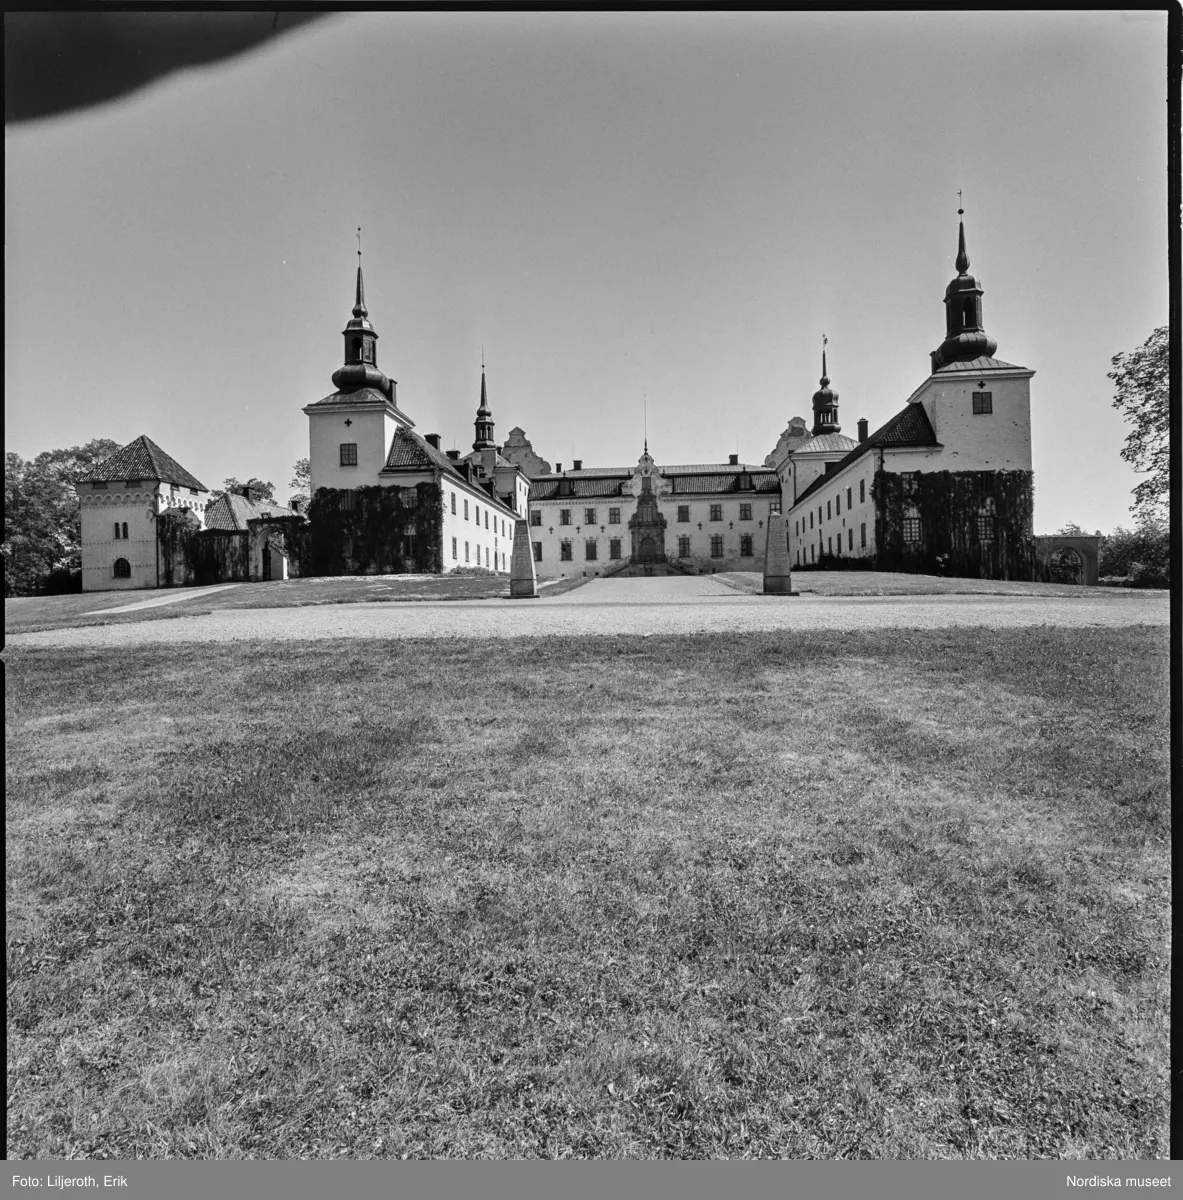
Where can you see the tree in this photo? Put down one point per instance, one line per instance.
(1141, 556)
(257, 486)
(301, 480)
(1141, 380)
(42, 515)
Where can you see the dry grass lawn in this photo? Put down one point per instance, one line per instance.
(896, 895)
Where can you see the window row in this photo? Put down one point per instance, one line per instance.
(494, 559)
(591, 515)
(832, 508)
(591, 548)
(476, 516)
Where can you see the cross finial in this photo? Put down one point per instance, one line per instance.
(960, 210)
(359, 245)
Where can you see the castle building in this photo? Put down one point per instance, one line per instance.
(121, 500)
(436, 512)
(946, 484)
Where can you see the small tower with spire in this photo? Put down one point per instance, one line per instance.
(825, 402)
(484, 418)
(965, 335)
(360, 368)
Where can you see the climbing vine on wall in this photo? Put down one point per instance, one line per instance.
(176, 537)
(376, 530)
(953, 541)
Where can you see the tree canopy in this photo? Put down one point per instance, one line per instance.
(42, 515)
(301, 480)
(266, 489)
(1142, 396)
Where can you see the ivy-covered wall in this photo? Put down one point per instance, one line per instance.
(376, 530)
(190, 555)
(948, 504)
(176, 531)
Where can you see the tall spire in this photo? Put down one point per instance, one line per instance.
(359, 304)
(825, 402)
(484, 416)
(360, 369)
(965, 335)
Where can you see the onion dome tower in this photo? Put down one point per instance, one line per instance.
(825, 403)
(484, 418)
(965, 335)
(360, 369)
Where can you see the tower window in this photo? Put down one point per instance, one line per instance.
(349, 454)
(911, 529)
(355, 350)
(125, 529)
(983, 403)
(122, 569)
(116, 530)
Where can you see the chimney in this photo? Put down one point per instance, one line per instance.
(558, 468)
(577, 464)
(294, 504)
(733, 460)
(245, 491)
(433, 440)
(862, 429)
(454, 455)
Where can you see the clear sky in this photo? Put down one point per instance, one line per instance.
(662, 208)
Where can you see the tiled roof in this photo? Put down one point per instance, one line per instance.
(700, 482)
(909, 427)
(141, 459)
(232, 511)
(364, 395)
(549, 487)
(978, 364)
(826, 443)
(409, 451)
(727, 480)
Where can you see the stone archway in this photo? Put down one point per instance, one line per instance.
(1087, 549)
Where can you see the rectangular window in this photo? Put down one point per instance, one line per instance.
(745, 512)
(717, 546)
(589, 550)
(849, 498)
(829, 545)
(99, 487)
(614, 548)
(466, 552)
(819, 514)
(536, 518)
(684, 513)
(838, 505)
(589, 516)
(716, 512)
(565, 551)
(614, 516)
(850, 539)
(476, 513)
(486, 556)
(486, 518)
(811, 519)
(811, 552)
(453, 494)
(862, 491)
(347, 500)
(349, 454)
(410, 497)
(684, 546)
(745, 545)
(564, 516)
(983, 403)
(466, 510)
(537, 551)
(911, 529)
(827, 510)
(454, 550)
(862, 535)
(985, 528)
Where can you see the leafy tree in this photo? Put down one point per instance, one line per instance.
(257, 486)
(301, 480)
(1141, 556)
(42, 515)
(1141, 380)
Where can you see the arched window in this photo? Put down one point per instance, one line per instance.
(116, 529)
(355, 350)
(125, 529)
(122, 569)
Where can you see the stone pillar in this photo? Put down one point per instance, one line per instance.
(522, 584)
(777, 580)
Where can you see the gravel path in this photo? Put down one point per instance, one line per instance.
(653, 606)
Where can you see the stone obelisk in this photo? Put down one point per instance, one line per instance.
(777, 580)
(522, 582)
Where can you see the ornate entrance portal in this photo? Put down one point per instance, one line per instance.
(647, 525)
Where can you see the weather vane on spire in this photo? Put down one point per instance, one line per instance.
(960, 210)
(359, 245)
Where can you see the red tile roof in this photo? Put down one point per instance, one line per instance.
(141, 459)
